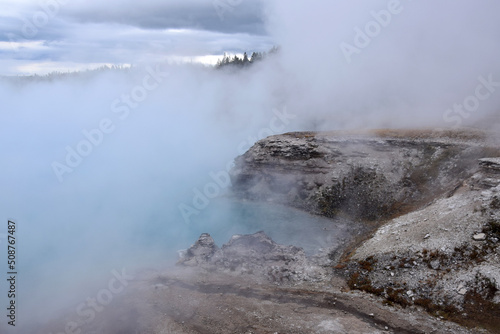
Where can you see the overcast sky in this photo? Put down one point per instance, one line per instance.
(42, 36)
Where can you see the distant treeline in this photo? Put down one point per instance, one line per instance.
(226, 61)
(236, 61)
(57, 75)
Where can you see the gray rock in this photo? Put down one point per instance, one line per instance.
(479, 237)
(253, 254)
(489, 182)
(360, 174)
(490, 164)
(435, 264)
(202, 250)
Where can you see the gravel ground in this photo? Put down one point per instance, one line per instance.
(192, 300)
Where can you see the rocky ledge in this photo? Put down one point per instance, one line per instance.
(368, 175)
(256, 255)
(432, 200)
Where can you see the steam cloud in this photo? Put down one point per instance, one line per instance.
(119, 205)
